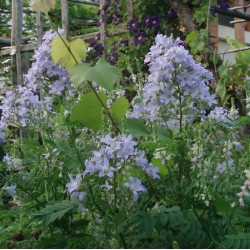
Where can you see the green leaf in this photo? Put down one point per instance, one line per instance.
(221, 205)
(221, 89)
(102, 73)
(162, 134)
(68, 57)
(136, 127)
(76, 73)
(162, 169)
(56, 211)
(89, 111)
(119, 108)
(42, 5)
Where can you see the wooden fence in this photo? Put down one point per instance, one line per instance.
(19, 51)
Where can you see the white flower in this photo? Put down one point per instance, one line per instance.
(42, 5)
(247, 172)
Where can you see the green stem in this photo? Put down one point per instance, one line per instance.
(75, 148)
(114, 186)
(204, 228)
(117, 130)
(123, 241)
(181, 114)
(94, 201)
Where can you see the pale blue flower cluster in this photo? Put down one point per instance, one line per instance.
(223, 116)
(25, 106)
(117, 155)
(177, 87)
(44, 69)
(22, 107)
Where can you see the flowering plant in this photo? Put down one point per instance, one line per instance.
(83, 167)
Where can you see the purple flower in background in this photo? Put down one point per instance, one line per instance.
(223, 4)
(183, 39)
(135, 186)
(92, 43)
(140, 38)
(115, 18)
(107, 5)
(112, 59)
(113, 46)
(171, 14)
(99, 49)
(124, 42)
(152, 22)
(98, 36)
(133, 25)
(213, 11)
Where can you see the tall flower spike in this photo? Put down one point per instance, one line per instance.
(177, 88)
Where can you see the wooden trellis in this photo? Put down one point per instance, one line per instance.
(19, 51)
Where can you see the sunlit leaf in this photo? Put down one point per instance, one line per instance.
(119, 108)
(102, 73)
(42, 5)
(68, 53)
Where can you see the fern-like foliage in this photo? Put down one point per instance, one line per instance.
(169, 228)
(236, 241)
(55, 211)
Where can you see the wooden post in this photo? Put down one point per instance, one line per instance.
(16, 40)
(130, 17)
(130, 10)
(239, 28)
(39, 27)
(65, 18)
(213, 28)
(103, 26)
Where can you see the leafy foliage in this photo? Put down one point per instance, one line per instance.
(102, 73)
(68, 53)
(55, 211)
(89, 110)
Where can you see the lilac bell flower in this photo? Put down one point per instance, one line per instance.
(113, 58)
(74, 186)
(136, 187)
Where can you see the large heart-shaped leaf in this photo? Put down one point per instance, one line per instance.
(102, 73)
(89, 111)
(136, 127)
(68, 53)
(119, 108)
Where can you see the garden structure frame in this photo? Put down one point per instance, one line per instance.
(19, 48)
